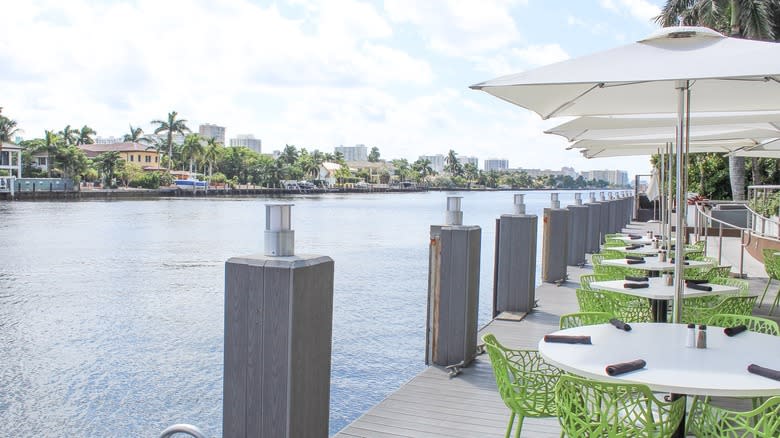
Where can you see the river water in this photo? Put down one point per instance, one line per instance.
(111, 312)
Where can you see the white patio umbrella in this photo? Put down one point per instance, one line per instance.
(605, 127)
(676, 70)
(768, 149)
(653, 191)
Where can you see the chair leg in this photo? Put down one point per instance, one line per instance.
(774, 303)
(520, 419)
(761, 301)
(509, 427)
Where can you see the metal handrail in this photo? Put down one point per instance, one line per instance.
(743, 244)
(764, 220)
(189, 429)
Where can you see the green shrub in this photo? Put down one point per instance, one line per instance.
(147, 181)
(218, 178)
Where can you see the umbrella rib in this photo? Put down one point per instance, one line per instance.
(571, 102)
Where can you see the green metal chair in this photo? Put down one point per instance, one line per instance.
(580, 319)
(772, 267)
(525, 382)
(586, 280)
(713, 421)
(588, 408)
(622, 306)
(753, 323)
(734, 305)
(714, 300)
(618, 272)
(614, 242)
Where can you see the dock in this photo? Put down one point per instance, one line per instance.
(434, 405)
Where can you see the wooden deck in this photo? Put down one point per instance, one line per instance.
(433, 405)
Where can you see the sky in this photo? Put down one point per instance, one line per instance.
(393, 74)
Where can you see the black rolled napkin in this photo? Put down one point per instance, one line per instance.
(620, 324)
(634, 237)
(694, 281)
(699, 287)
(731, 331)
(633, 257)
(567, 339)
(625, 367)
(635, 285)
(764, 372)
(632, 278)
(672, 262)
(631, 247)
(634, 262)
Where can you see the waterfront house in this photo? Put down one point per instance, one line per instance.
(131, 152)
(328, 172)
(11, 160)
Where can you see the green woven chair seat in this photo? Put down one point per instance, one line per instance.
(525, 382)
(588, 408)
(733, 305)
(707, 420)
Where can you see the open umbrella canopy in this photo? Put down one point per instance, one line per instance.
(664, 126)
(768, 149)
(728, 74)
(680, 70)
(601, 150)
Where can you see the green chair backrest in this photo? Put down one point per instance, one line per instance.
(616, 410)
(580, 319)
(595, 301)
(525, 381)
(753, 323)
(742, 285)
(762, 422)
(734, 305)
(771, 263)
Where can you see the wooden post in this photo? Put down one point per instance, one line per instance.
(515, 264)
(278, 332)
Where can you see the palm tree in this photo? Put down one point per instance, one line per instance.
(136, 135)
(423, 167)
(69, 135)
(8, 129)
(471, 172)
(212, 152)
(51, 142)
(289, 155)
(108, 163)
(171, 127)
(192, 148)
(751, 19)
(85, 135)
(452, 164)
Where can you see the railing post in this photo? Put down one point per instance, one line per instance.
(741, 252)
(720, 241)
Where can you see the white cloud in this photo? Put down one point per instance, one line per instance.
(518, 59)
(640, 9)
(459, 28)
(591, 27)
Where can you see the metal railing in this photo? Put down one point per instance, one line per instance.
(703, 220)
(755, 219)
(188, 429)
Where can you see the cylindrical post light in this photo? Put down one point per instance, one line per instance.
(279, 236)
(554, 202)
(454, 214)
(519, 204)
(578, 199)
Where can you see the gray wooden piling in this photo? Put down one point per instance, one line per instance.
(577, 232)
(453, 295)
(278, 330)
(515, 264)
(593, 236)
(555, 231)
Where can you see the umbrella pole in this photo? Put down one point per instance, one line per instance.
(662, 197)
(683, 107)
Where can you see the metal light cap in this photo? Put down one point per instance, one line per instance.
(454, 214)
(592, 196)
(279, 236)
(578, 199)
(554, 202)
(602, 197)
(519, 203)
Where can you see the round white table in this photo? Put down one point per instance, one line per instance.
(720, 369)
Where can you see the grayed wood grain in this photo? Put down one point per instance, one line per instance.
(577, 230)
(554, 244)
(516, 263)
(593, 235)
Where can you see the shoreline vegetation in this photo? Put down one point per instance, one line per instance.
(249, 191)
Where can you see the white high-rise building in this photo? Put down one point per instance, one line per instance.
(359, 152)
(469, 160)
(437, 162)
(247, 141)
(496, 164)
(613, 177)
(208, 130)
